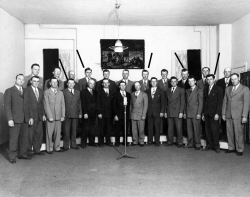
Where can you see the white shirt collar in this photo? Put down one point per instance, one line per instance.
(34, 89)
(235, 87)
(137, 93)
(123, 92)
(71, 90)
(193, 87)
(106, 89)
(90, 90)
(18, 87)
(210, 87)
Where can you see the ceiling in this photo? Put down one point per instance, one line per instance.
(132, 12)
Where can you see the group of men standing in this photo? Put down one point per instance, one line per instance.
(183, 104)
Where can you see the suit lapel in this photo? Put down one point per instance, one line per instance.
(192, 93)
(237, 90)
(17, 91)
(173, 96)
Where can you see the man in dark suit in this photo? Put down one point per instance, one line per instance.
(156, 109)
(224, 83)
(71, 75)
(35, 69)
(89, 110)
(129, 84)
(56, 74)
(193, 113)
(145, 82)
(19, 115)
(112, 85)
(105, 97)
(35, 131)
(235, 110)
(175, 101)
(73, 111)
(83, 83)
(118, 107)
(203, 82)
(212, 106)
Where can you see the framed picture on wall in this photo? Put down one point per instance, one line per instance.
(131, 58)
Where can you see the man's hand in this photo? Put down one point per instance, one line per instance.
(100, 116)
(184, 116)
(203, 118)
(180, 115)
(31, 121)
(116, 118)
(51, 119)
(143, 118)
(44, 118)
(62, 119)
(80, 116)
(216, 117)
(198, 116)
(244, 120)
(85, 116)
(11, 123)
(224, 117)
(161, 115)
(165, 115)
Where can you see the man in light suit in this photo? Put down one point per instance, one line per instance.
(193, 113)
(138, 112)
(83, 83)
(212, 106)
(73, 110)
(112, 85)
(145, 82)
(19, 115)
(54, 107)
(56, 74)
(175, 101)
(156, 109)
(35, 69)
(129, 84)
(235, 111)
(35, 131)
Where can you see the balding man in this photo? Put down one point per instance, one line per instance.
(72, 75)
(56, 74)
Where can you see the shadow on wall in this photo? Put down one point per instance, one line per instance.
(4, 130)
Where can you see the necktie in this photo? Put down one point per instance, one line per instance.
(21, 91)
(107, 93)
(227, 82)
(164, 82)
(91, 91)
(123, 94)
(136, 95)
(232, 91)
(153, 93)
(204, 80)
(145, 85)
(209, 90)
(191, 89)
(72, 92)
(55, 91)
(36, 93)
(172, 90)
(183, 82)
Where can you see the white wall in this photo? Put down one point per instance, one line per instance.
(11, 60)
(241, 42)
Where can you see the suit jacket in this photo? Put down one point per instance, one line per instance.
(222, 84)
(76, 87)
(118, 107)
(162, 86)
(138, 106)
(184, 86)
(47, 85)
(54, 105)
(36, 105)
(17, 105)
(83, 83)
(175, 102)
(194, 102)
(73, 106)
(89, 103)
(236, 105)
(112, 85)
(156, 105)
(129, 86)
(27, 82)
(200, 84)
(104, 103)
(213, 102)
(146, 87)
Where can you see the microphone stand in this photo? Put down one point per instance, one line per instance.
(125, 141)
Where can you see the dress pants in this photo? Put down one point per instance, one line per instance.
(154, 123)
(224, 129)
(18, 140)
(53, 130)
(70, 128)
(88, 131)
(163, 125)
(104, 130)
(138, 131)
(193, 129)
(212, 133)
(235, 134)
(175, 123)
(35, 133)
(119, 128)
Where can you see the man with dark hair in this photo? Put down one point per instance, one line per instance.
(105, 97)
(193, 113)
(183, 83)
(56, 74)
(19, 115)
(54, 107)
(73, 111)
(118, 108)
(212, 106)
(129, 84)
(203, 82)
(175, 102)
(145, 82)
(235, 111)
(112, 85)
(72, 75)
(35, 131)
(156, 108)
(35, 69)
(89, 110)
(83, 83)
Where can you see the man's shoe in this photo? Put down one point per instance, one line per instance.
(50, 152)
(74, 147)
(12, 161)
(109, 144)
(179, 145)
(94, 145)
(197, 148)
(100, 145)
(149, 144)
(207, 149)
(24, 157)
(169, 144)
(117, 145)
(65, 149)
(83, 146)
(142, 145)
(157, 145)
(230, 151)
(239, 153)
(217, 150)
(60, 151)
(188, 147)
(40, 153)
